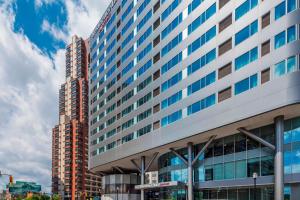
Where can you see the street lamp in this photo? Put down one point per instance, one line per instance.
(118, 193)
(254, 178)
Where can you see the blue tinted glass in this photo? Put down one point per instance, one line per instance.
(241, 86)
(287, 162)
(242, 9)
(279, 40)
(291, 34)
(253, 81)
(280, 10)
(279, 69)
(291, 5)
(291, 64)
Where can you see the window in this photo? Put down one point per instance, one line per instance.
(201, 62)
(156, 23)
(127, 11)
(171, 63)
(144, 36)
(144, 52)
(142, 7)
(144, 20)
(291, 5)
(170, 9)
(171, 100)
(171, 118)
(171, 82)
(202, 104)
(172, 44)
(244, 8)
(265, 48)
(222, 3)
(280, 10)
(246, 58)
(144, 68)
(225, 70)
(206, 37)
(226, 46)
(291, 34)
(229, 170)
(265, 20)
(144, 99)
(202, 83)
(279, 40)
(171, 26)
(156, 6)
(246, 32)
(194, 5)
(253, 165)
(245, 84)
(156, 41)
(224, 94)
(240, 169)
(285, 66)
(265, 76)
(202, 18)
(225, 23)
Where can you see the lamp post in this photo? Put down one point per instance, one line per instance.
(117, 193)
(254, 178)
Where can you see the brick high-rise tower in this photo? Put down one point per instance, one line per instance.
(70, 176)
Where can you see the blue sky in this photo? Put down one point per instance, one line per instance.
(32, 68)
(29, 19)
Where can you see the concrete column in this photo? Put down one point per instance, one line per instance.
(142, 176)
(190, 171)
(279, 173)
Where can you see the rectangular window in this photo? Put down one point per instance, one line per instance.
(279, 40)
(171, 26)
(194, 5)
(225, 23)
(265, 48)
(144, 68)
(244, 8)
(202, 104)
(246, 58)
(142, 7)
(171, 100)
(280, 10)
(224, 94)
(265, 20)
(225, 70)
(171, 63)
(246, 32)
(144, 20)
(265, 76)
(246, 84)
(172, 44)
(171, 82)
(201, 62)
(171, 118)
(203, 39)
(170, 9)
(202, 83)
(226, 46)
(202, 18)
(222, 3)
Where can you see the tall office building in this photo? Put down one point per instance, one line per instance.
(70, 176)
(206, 92)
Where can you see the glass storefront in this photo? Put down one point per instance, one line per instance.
(234, 157)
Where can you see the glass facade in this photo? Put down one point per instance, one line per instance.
(235, 157)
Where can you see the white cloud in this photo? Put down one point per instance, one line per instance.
(29, 83)
(40, 3)
(53, 30)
